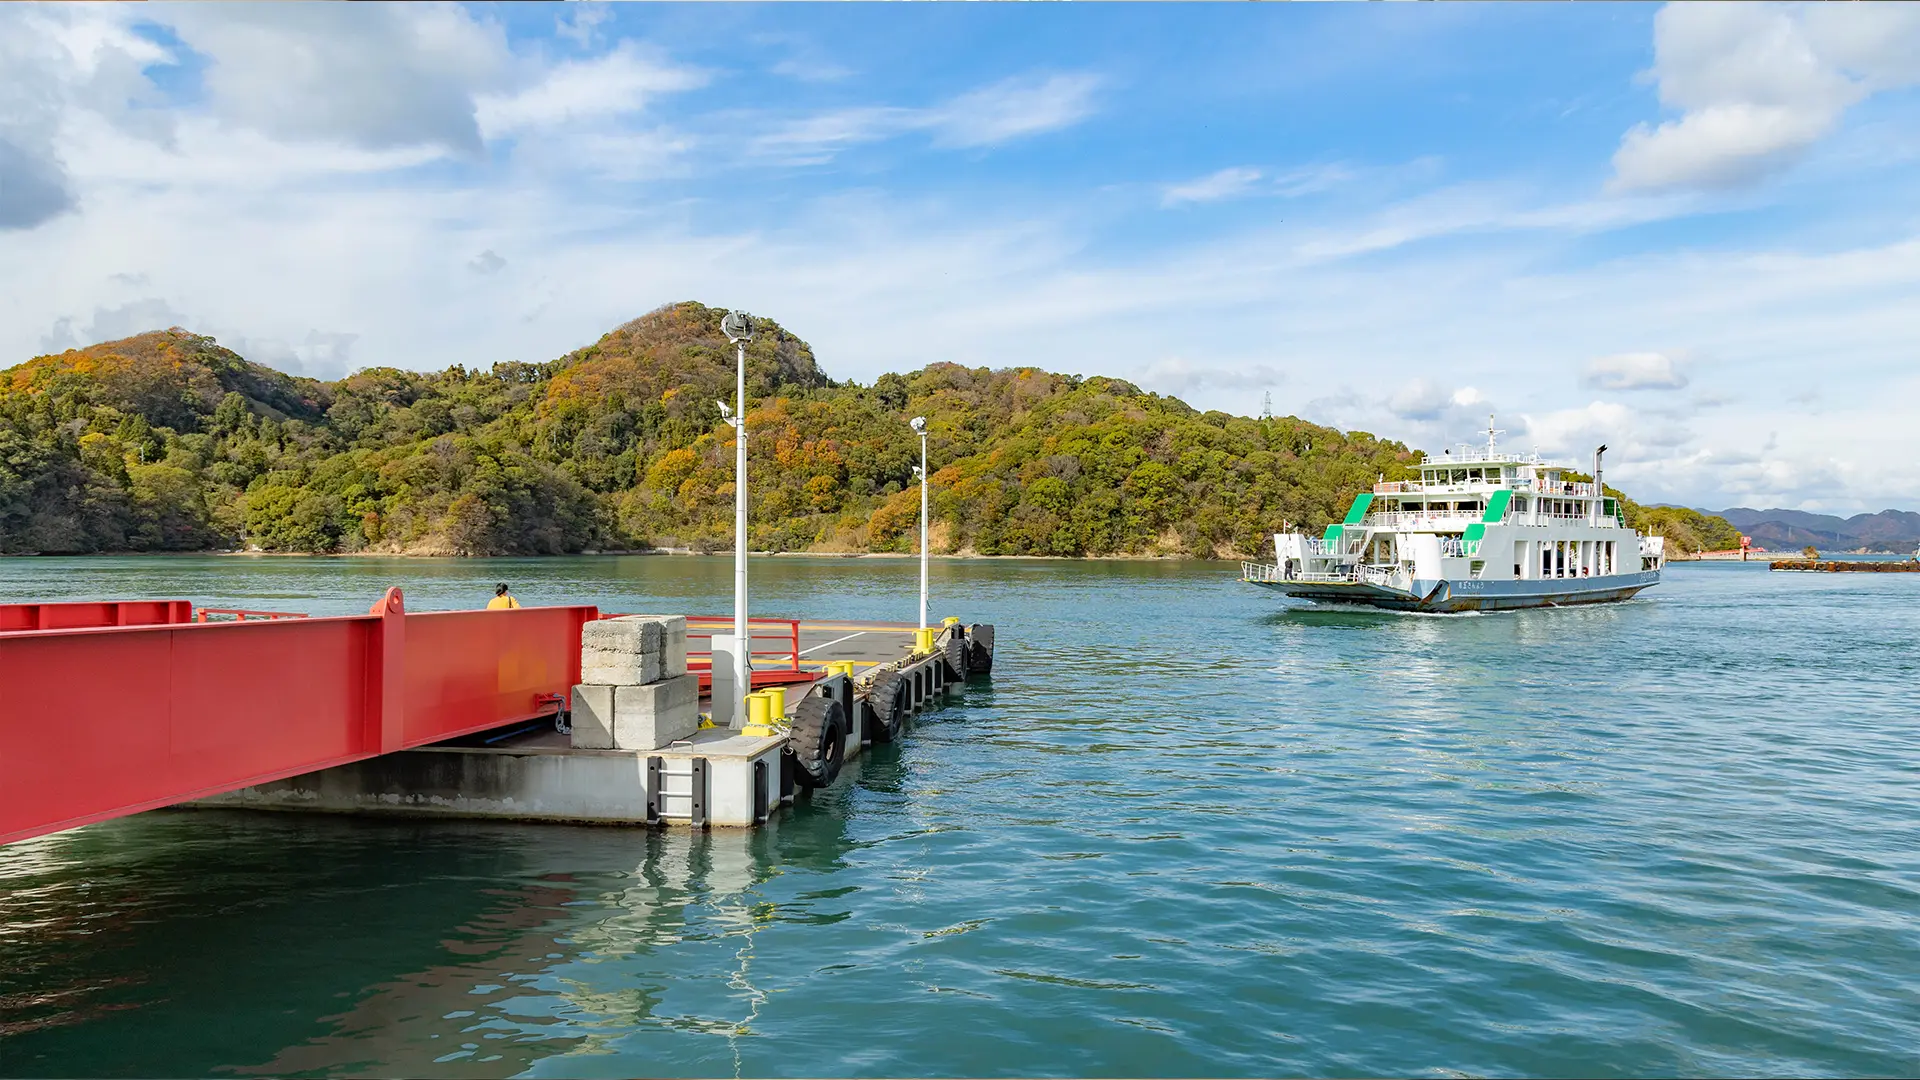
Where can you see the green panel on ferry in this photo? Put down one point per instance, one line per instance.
(1358, 511)
(1497, 507)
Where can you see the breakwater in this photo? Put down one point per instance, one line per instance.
(1831, 566)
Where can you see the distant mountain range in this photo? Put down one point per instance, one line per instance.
(1888, 530)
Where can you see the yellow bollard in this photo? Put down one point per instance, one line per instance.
(776, 703)
(951, 620)
(840, 667)
(757, 709)
(922, 641)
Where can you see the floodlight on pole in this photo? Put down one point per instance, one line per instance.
(919, 425)
(739, 329)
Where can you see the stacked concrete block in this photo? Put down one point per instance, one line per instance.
(635, 692)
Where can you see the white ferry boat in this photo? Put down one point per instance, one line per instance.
(1479, 531)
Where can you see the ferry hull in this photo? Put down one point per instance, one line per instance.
(1450, 597)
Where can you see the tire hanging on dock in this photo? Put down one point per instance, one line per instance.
(890, 698)
(980, 648)
(954, 655)
(818, 741)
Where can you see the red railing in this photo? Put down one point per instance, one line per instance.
(103, 721)
(782, 652)
(94, 613)
(784, 631)
(216, 614)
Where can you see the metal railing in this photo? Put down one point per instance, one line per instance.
(1419, 518)
(1324, 550)
(1384, 576)
(208, 614)
(784, 631)
(784, 666)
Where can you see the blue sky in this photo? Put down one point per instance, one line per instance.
(1692, 233)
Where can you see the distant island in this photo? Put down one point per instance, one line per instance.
(167, 441)
(1791, 530)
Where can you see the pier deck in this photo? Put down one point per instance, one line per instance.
(122, 706)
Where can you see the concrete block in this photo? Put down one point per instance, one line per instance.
(609, 667)
(593, 717)
(628, 633)
(651, 716)
(634, 649)
(673, 636)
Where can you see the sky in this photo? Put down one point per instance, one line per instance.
(1691, 232)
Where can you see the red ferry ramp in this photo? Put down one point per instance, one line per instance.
(114, 708)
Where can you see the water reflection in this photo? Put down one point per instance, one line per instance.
(430, 949)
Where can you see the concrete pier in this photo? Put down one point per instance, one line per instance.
(637, 753)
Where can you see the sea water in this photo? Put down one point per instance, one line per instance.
(1186, 828)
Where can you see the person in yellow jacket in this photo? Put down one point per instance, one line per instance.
(502, 600)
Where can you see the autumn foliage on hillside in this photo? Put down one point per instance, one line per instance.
(169, 442)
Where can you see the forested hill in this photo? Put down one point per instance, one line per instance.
(169, 442)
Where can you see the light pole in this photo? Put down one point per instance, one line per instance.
(739, 330)
(919, 424)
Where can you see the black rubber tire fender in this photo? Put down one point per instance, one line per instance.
(980, 648)
(888, 696)
(818, 741)
(954, 655)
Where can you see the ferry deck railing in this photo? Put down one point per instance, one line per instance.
(1466, 487)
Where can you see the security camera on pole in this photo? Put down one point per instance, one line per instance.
(739, 330)
(919, 424)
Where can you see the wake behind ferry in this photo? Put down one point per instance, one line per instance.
(1479, 531)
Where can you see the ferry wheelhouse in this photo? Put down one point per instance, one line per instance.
(1480, 530)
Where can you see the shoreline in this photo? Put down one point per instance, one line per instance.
(651, 552)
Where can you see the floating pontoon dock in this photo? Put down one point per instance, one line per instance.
(552, 714)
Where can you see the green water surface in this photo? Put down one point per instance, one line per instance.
(1186, 829)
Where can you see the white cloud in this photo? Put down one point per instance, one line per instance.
(1575, 432)
(1310, 180)
(1242, 180)
(319, 353)
(1225, 184)
(1007, 110)
(1013, 109)
(580, 22)
(1420, 399)
(55, 61)
(1635, 371)
(1758, 85)
(112, 324)
(618, 82)
(1182, 378)
(374, 76)
(268, 234)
